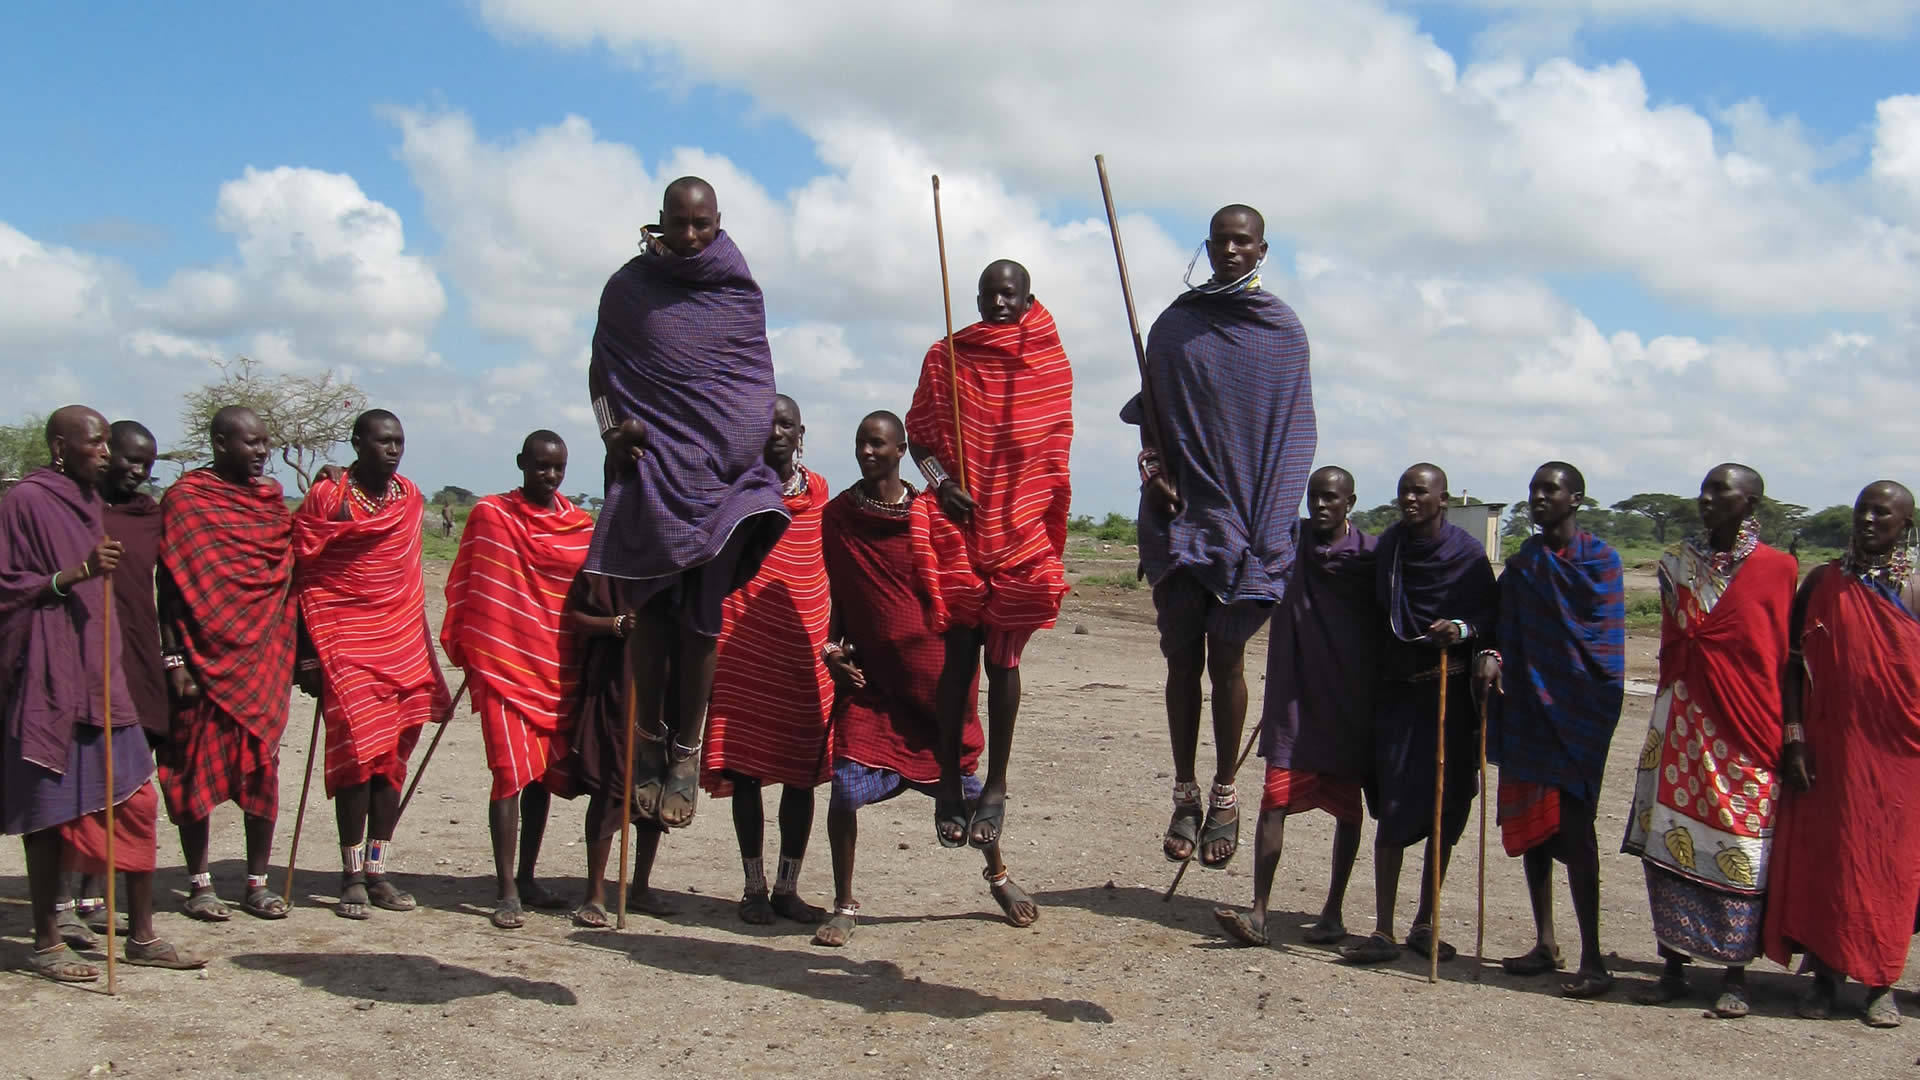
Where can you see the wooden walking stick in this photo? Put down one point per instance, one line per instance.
(626, 795)
(299, 819)
(1188, 861)
(1480, 918)
(1439, 802)
(953, 367)
(106, 730)
(1149, 418)
(431, 747)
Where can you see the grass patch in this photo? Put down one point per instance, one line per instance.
(1108, 581)
(1643, 611)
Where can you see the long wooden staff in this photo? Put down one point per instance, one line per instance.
(431, 747)
(1480, 919)
(1149, 417)
(1188, 861)
(626, 793)
(1439, 801)
(306, 786)
(106, 727)
(953, 367)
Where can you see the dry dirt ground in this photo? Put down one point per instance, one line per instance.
(1110, 982)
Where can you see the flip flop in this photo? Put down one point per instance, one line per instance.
(508, 914)
(840, 927)
(349, 908)
(1420, 940)
(684, 787)
(1322, 934)
(1008, 895)
(383, 895)
(265, 904)
(756, 909)
(206, 907)
(993, 815)
(1882, 1010)
(62, 964)
(1184, 828)
(1239, 929)
(1212, 830)
(591, 917)
(1732, 1003)
(948, 815)
(1536, 961)
(160, 953)
(790, 907)
(1378, 948)
(1666, 989)
(1586, 985)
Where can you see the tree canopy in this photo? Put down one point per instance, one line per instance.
(306, 415)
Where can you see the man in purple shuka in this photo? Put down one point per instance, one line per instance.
(682, 385)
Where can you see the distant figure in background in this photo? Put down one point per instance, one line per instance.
(506, 628)
(446, 520)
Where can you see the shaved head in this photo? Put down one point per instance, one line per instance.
(1334, 475)
(69, 419)
(1569, 475)
(541, 437)
(1741, 476)
(1253, 218)
(127, 432)
(1436, 476)
(77, 444)
(229, 420)
(690, 189)
(1893, 489)
(1018, 273)
(892, 422)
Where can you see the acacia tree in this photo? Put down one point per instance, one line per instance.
(1664, 511)
(306, 416)
(23, 447)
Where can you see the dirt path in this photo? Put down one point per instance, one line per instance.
(1110, 982)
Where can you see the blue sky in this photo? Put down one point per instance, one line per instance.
(125, 120)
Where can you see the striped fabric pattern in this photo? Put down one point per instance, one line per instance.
(1016, 406)
(364, 605)
(518, 752)
(772, 696)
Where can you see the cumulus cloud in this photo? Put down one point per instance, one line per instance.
(1787, 18)
(51, 293)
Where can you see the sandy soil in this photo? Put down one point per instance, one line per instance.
(1110, 982)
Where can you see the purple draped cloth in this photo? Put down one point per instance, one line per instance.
(1418, 580)
(1230, 382)
(681, 345)
(51, 656)
(1322, 661)
(136, 524)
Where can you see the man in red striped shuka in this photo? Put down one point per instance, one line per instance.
(989, 553)
(772, 696)
(506, 596)
(367, 651)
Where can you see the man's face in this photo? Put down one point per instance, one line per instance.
(129, 464)
(1235, 245)
(1551, 498)
(1724, 499)
(379, 449)
(543, 468)
(878, 448)
(784, 441)
(1330, 499)
(1004, 297)
(243, 450)
(689, 221)
(83, 447)
(1880, 515)
(1422, 496)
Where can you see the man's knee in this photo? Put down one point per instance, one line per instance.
(1226, 661)
(1188, 661)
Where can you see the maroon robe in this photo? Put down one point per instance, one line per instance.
(136, 524)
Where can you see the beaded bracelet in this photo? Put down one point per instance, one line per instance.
(173, 661)
(1796, 733)
(55, 585)
(936, 475)
(1149, 465)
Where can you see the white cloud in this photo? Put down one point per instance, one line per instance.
(1896, 153)
(318, 261)
(50, 293)
(1361, 135)
(1787, 18)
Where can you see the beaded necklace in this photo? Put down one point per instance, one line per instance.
(1892, 569)
(796, 484)
(1723, 562)
(367, 502)
(887, 509)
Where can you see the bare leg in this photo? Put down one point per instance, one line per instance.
(1423, 915)
(536, 802)
(951, 701)
(843, 836)
(503, 825)
(695, 659)
(259, 833)
(383, 818)
(1346, 848)
(140, 907)
(1583, 877)
(43, 851)
(1226, 670)
(1014, 902)
(1538, 865)
(1268, 839)
(796, 823)
(1003, 708)
(1387, 860)
(749, 818)
(1183, 726)
(350, 808)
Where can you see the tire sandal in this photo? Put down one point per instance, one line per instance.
(991, 814)
(837, 931)
(1421, 940)
(1213, 830)
(1665, 990)
(508, 914)
(382, 894)
(683, 786)
(1183, 829)
(1240, 929)
(1325, 934)
(353, 901)
(206, 907)
(62, 964)
(1538, 960)
(790, 907)
(74, 929)
(649, 775)
(1882, 1010)
(264, 903)
(756, 909)
(161, 953)
(538, 897)
(950, 816)
(1378, 948)
(1586, 985)
(1732, 1003)
(592, 917)
(1009, 895)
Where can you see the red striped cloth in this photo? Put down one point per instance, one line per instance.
(772, 696)
(505, 625)
(212, 759)
(1529, 815)
(136, 837)
(364, 606)
(1296, 791)
(1015, 391)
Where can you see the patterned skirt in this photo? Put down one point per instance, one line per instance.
(1703, 922)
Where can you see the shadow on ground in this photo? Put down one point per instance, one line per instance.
(398, 978)
(876, 986)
